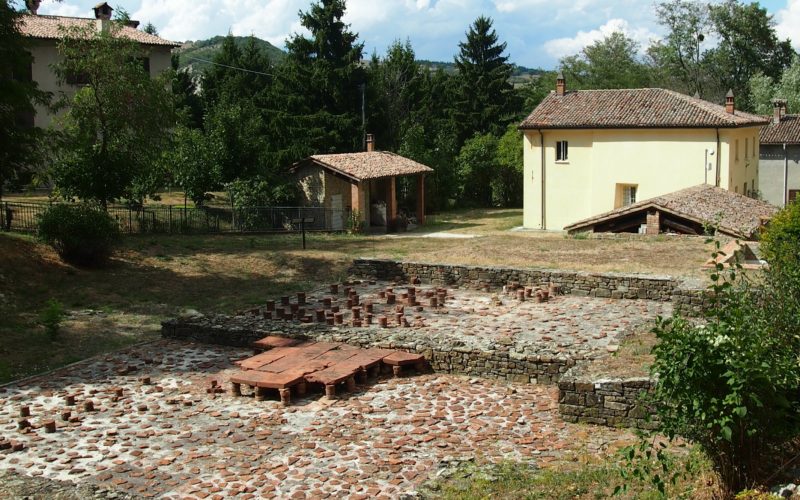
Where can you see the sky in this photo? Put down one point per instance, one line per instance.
(538, 32)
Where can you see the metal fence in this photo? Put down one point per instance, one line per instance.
(24, 217)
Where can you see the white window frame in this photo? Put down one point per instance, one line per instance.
(629, 193)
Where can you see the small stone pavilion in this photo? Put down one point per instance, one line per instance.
(365, 182)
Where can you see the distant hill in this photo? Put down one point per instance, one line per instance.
(207, 49)
(521, 74)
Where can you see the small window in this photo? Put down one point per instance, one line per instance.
(737, 149)
(746, 148)
(562, 150)
(628, 195)
(736, 189)
(744, 189)
(753, 187)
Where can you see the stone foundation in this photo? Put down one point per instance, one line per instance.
(688, 296)
(502, 362)
(612, 402)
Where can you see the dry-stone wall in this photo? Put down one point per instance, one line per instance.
(606, 401)
(688, 296)
(502, 361)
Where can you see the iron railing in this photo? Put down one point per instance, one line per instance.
(169, 219)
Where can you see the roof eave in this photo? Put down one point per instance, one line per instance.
(636, 127)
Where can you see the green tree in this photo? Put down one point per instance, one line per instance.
(116, 124)
(679, 58)
(188, 102)
(507, 182)
(19, 140)
(192, 163)
(394, 90)
(763, 89)
(430, 137)
(485, 101)
(150, 29)
(748, 45)
(321, 78)
(238, 73)
(610, 63)
(477, 167)
(235, 126)
(534, 92)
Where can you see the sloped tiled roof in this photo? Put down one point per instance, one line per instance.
(633, 108)
(370, 165)
(50, 28)
(787, 131)
(739, 216)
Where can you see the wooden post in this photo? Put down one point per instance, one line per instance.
(391, 205)
(421, 199)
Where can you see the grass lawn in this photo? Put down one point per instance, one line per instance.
(152, 278)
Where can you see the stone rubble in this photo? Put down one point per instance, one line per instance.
(158, 428)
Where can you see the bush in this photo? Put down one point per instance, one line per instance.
(51, 316)
(81, 234)
(730, 383)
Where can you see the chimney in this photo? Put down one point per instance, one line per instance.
(730, 107)
(33, 6)
(102, 15)
(103, 11)
(370, 143)
(778, 110)
(561, 84)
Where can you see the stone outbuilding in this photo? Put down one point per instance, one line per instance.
(361, 185)
(688, 211)
(779, 175)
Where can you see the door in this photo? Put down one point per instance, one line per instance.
(793, 194)
(337, 220)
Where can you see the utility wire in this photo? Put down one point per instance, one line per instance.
(229, 67)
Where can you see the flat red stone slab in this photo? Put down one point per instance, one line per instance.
(301, 356)
(273, 341)
(332, 375)
(400, 358)
(264, 358)
(268, 380)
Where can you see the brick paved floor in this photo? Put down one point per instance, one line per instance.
(171, 438)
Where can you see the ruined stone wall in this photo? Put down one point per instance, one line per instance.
(688, 297)
(611, 402)
(500, 362)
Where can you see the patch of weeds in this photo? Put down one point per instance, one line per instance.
(51, 316)
(5, 372)
(584, 235)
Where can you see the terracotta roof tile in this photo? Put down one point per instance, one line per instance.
(49, 28)
(739, 216)
(787, 131)
(633, 108)
(371, 165)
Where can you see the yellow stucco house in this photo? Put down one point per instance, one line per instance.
(43, 33)
(591, 151)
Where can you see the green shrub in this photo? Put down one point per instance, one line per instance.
(50, 318)
(81, 234)
(729, 383)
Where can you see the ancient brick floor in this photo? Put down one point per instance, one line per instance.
(156, 430)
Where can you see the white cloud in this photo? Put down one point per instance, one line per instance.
(561, 47)
(516, 5)
(789, 22)
(52, 8)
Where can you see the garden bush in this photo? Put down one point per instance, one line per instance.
(80, 234)
(730, 382)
